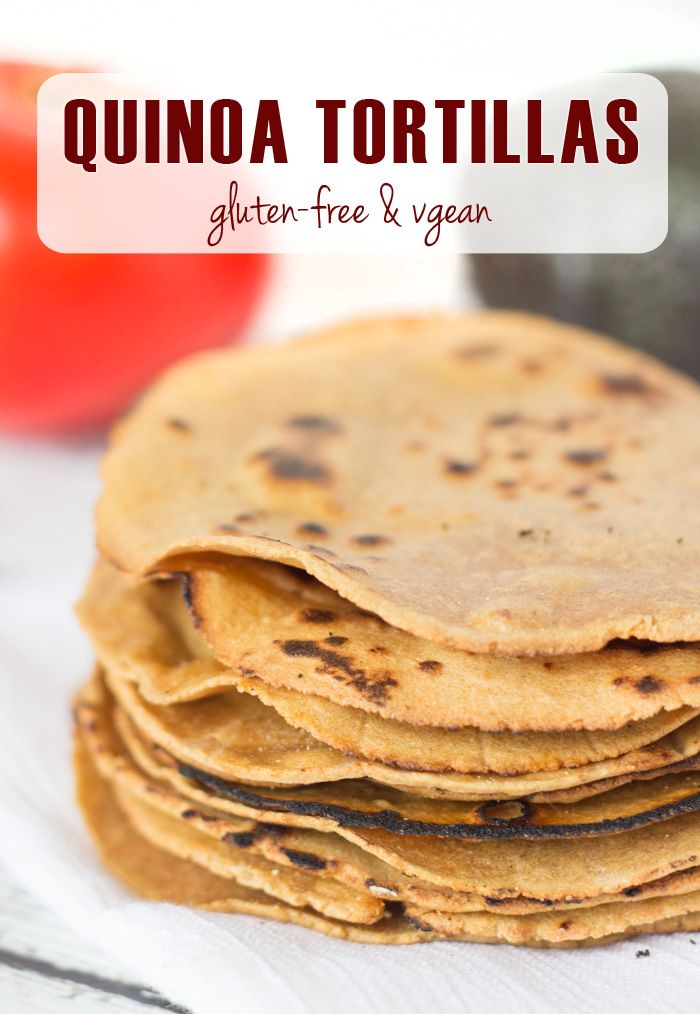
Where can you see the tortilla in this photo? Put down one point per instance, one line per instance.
(496, 482)
(294, 886)
(142, 631)
(266, 621)
(236, 737)
(158, 875)
(587, 924)
(359, 734)
(569, 868)
(324, 854)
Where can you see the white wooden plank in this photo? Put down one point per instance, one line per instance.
(46, 969)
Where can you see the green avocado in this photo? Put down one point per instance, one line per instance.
(649, 300)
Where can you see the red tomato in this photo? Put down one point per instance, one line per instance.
(80, 334)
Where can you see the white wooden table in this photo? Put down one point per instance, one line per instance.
(46, 969)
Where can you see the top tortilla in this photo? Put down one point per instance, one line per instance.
(497, 482)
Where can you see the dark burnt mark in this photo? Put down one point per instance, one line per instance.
(176, 423)
(391, 820)
(506, 483)
(694, 680)
(304, 860)
(287, 466)
(418, 924)
(606, 476)
(231, 529)
(371, 540)
(505, 419)
(525, 532)
(241, 839)
(460, 467)
(587, 456)
(618, 681)
(578, 490)
(312, 528)
(632, 892)
(648, 685)
(354, 569)
(316, 616)
(340, 667)
(430, 665)
(336, 640)
(510, 812)
(187, 583)
(626, 383)
(548, 665)
(543, 902)
(642, 954)
(642, 646)
(321, 551)
(479, 350)
(249, 516)
(566, 925)
(245, 670)
(314, 424)
(189, 814)
(378, 649)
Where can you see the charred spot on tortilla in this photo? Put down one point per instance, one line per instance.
(340, 667)
(648, 685)
(225, 526)
(626, 383)
(586, 456)
(312, 528)
(505, 419)
(241, 839)
(335, 639)
(460, 467)
(181, 425)
(247, 516)
(321, 551)
(317, 616)
(314, 424)
(304, 860)
(430, 665)
(371, 539)
(288, 466)
(187, 586)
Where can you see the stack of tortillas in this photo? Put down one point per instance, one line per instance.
(398, 636)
